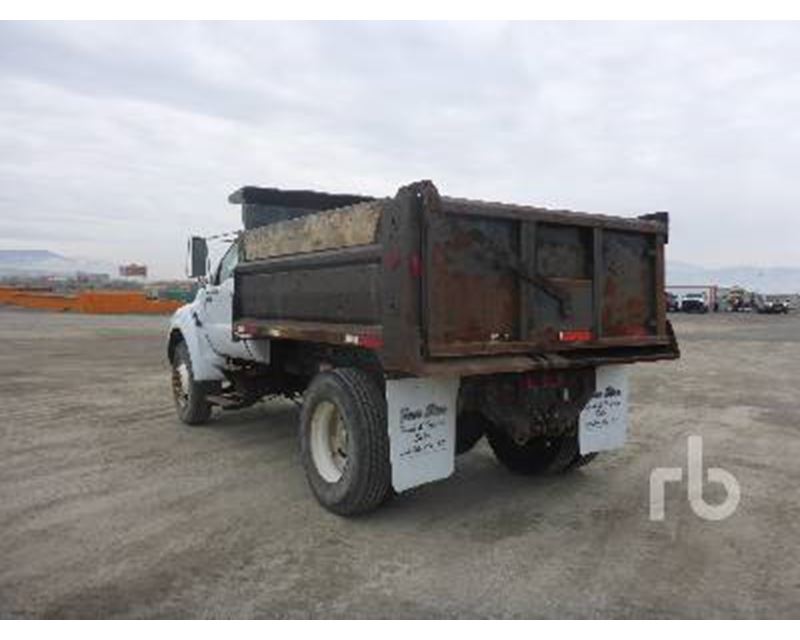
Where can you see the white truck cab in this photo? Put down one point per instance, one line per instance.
(202, 347)
(214, 308)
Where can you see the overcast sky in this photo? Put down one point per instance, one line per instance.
(118, 140)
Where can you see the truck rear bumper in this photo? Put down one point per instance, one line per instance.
(371, 337)
(622, 354)
(573, 360)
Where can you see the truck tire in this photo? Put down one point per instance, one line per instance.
(470, 427)
(542, 455)
(581, 460)
(344, 441)
(190, 398)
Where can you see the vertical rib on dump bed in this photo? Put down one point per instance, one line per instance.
(446, 285)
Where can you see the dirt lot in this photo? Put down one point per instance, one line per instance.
(109, 507)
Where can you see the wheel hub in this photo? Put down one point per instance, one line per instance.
(180, 383)
(329, 441)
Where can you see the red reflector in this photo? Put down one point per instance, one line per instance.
(578, 335)
(415, 266)
(245, 330)
(369, 341)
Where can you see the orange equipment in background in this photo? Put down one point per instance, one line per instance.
(113, 302)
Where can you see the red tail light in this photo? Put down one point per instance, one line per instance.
(370, 341)
(576, 335)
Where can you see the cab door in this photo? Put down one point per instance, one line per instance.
(218, 308)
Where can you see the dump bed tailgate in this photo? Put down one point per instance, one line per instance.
(512, 279)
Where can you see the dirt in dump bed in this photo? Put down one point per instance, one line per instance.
(335, 229)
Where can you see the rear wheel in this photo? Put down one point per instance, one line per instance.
(581, 460)
(344, 441)
(470, 427)
(540, 455)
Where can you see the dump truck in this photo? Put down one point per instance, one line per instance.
(411, 327)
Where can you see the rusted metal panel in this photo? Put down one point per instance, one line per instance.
(444, 349)
(488, 277)
(463, 286)
(564, 251)
(473, 366)
(401, 239)
(660, 287)
(629, 295)
(564, 256)
(471, 296)
(551, 320)
(591, 278)
(334, 229)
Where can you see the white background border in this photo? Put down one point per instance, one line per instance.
(407, 9)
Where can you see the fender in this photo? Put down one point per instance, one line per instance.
(206, 365)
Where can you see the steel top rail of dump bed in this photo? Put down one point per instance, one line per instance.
(649, 223)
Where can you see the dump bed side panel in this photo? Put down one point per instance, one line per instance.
(321, 268)
(319, 289)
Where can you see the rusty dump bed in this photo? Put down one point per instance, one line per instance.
(446, 286)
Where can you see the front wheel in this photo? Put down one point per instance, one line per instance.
(344, 441)
(190, 398)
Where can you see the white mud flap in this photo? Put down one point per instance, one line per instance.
(603, 422)
(422, 429)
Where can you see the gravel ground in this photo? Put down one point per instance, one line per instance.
(110, 508)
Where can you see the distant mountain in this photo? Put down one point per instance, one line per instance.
(761, 279)
(39, 262)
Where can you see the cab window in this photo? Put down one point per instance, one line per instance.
(228, 263)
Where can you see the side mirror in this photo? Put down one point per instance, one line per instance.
(198, 257)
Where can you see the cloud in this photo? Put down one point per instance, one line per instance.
(118, 140)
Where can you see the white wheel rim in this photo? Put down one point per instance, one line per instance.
(329, 442)
(180, 383)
